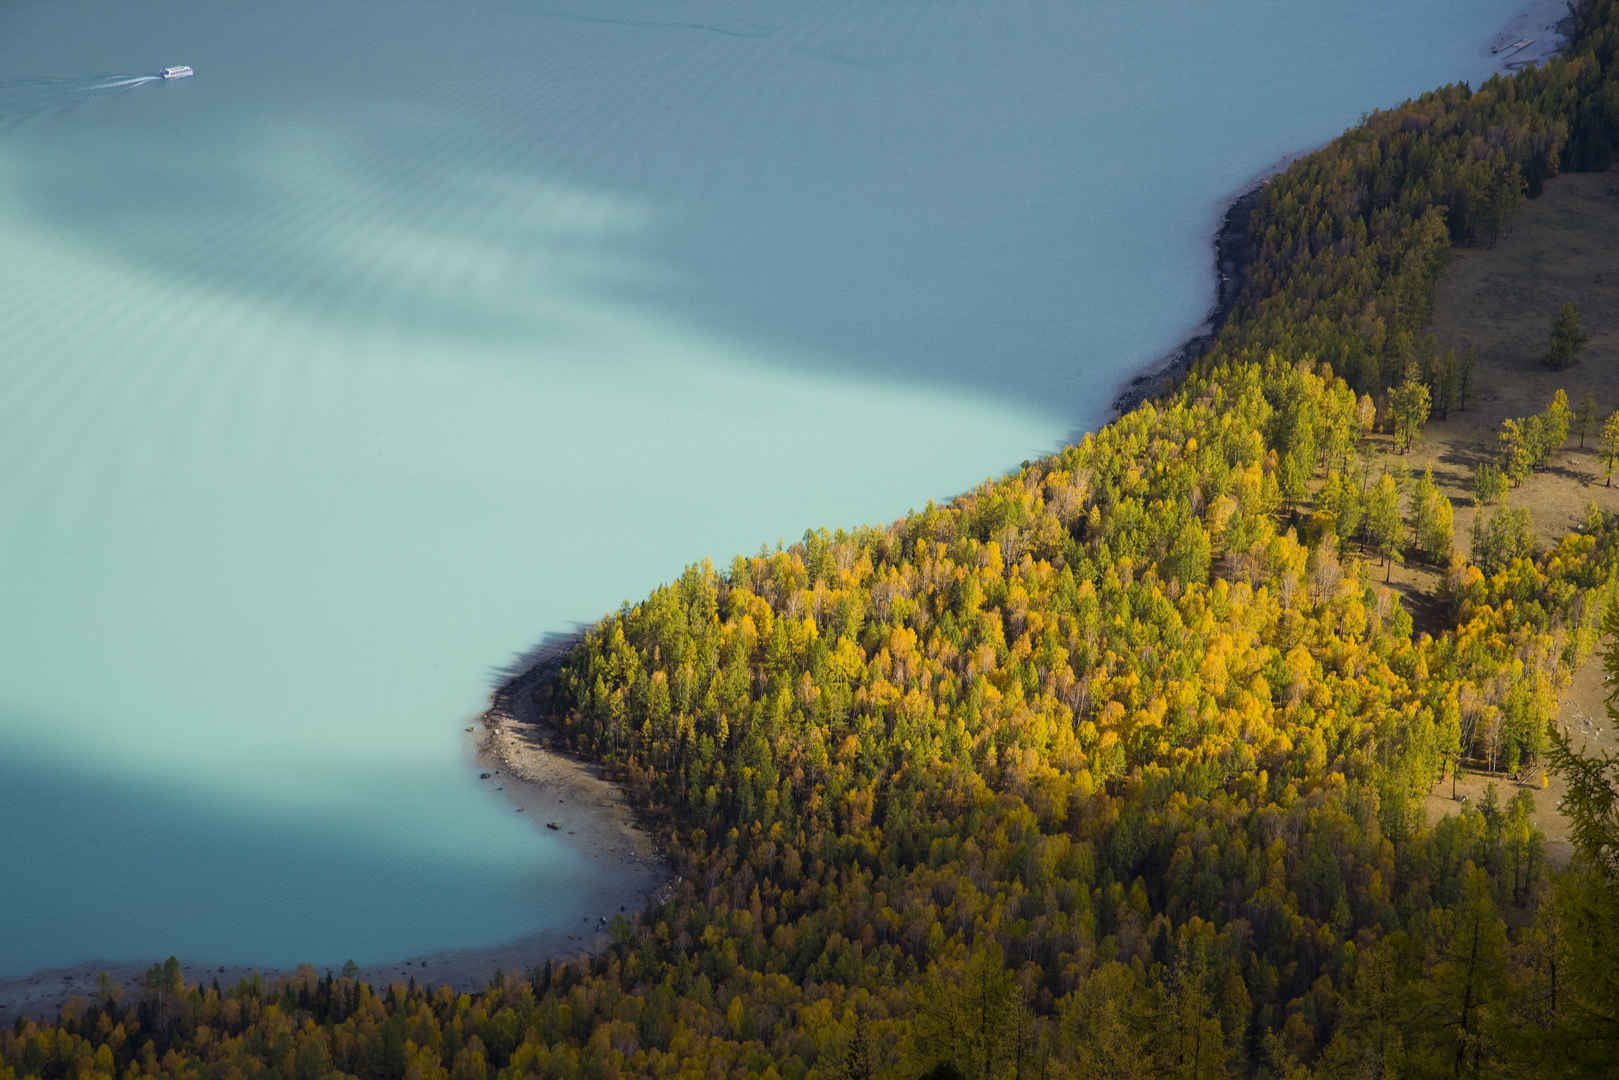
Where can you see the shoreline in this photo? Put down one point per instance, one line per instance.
(1233, 253)
(567, 795)
(1546, 24)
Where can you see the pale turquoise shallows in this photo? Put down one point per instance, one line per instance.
(406, 333)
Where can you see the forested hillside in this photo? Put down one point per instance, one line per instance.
(1109, 767)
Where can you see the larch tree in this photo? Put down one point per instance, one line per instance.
(1375, 1024)
(1585, 415)
(1108, 1031)
(1489, 485)
(1610, 446)
(1464, 376)
(1443, 375)
(1513, 447)
(1409, 405)
(969, 1014)
(1559, 417)
(1341, 501)
(1467, 985)
(1383, 524)
(1365, 417)
(1567, 339)
(1432, 524)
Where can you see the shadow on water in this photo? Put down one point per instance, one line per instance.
(974, 214)
(731, 192)
(216, 216)
(352, 892)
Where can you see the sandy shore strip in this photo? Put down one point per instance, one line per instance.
(588, 813)
(570, 798)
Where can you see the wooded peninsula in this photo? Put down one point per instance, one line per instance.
(1117, 765)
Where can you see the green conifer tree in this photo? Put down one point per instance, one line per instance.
(1585, 415)
(1383, 524)
(1610, 446)
(1567, 339)
(1409, 405)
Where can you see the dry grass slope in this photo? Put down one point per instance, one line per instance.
(1500, 301)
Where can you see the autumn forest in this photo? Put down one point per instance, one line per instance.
(1112, 766)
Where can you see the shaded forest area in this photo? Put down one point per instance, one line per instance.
(1113, 766)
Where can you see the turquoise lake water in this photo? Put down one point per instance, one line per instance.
(407, 333)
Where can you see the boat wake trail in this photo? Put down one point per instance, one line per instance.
(126, 80)
(24, 100)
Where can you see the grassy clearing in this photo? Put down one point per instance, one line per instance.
(1501, 301)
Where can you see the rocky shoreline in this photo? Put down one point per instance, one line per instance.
(1233, 254)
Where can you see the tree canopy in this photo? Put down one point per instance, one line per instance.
(1111, 765)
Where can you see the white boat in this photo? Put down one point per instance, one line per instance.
(178, 71)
